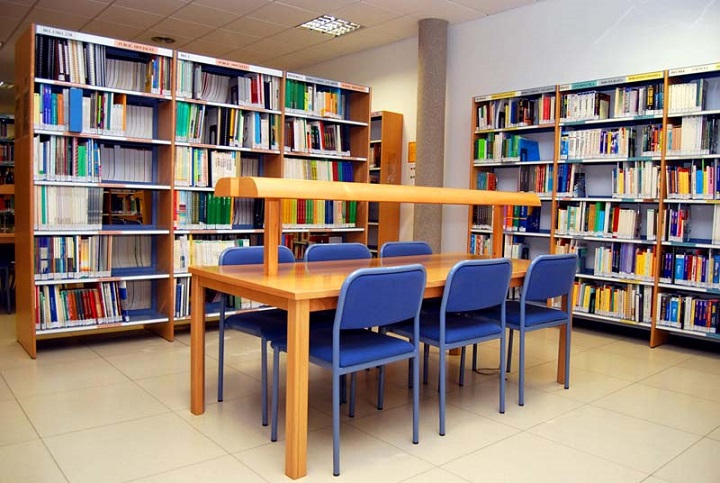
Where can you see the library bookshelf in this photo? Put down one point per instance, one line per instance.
(631, 183)
(125, 144)
(385, 166)
(7, 178)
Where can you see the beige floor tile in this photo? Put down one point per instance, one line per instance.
(5, 392)
(640, 349)
(687, 381)
(615, 365)
(130, 450)
(654, 479)
(617, 437)
(14, 356)
(152, 363)
(661, 406)
(585, 386)
(436, 475)
(128, 344)
(28, 462)
(590, 338)
(62, 412)
(698, 464)
(704, 363)
(38, 379)
(539, 406)
(222, 470)
(715, 434)
(465, 432)
(363, 459)
(529, 458)
(16, 427)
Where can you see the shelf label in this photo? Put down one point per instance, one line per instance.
(149, 49)
(697, 69)
(645, 76)
(326, 82)
(579, 85)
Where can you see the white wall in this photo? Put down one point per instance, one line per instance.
(550, 42)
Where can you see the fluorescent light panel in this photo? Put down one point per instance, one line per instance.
(327, 24)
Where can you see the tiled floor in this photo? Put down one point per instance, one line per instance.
(114, 411)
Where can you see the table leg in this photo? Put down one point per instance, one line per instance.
(297, 389)
(197, 346)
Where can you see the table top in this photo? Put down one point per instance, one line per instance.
(314, 280)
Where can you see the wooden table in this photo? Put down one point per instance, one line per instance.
(299, 288)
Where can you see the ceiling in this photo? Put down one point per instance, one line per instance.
(260, 32)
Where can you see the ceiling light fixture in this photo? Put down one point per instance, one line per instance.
(6, 85)
(161, 39)
(327, 24)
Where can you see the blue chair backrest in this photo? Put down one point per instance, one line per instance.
(321, 252)
(405, 249)
(380, 296)
(477, 284)
(549, 276)
(253, 255)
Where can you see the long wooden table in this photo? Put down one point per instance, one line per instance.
(299, 288)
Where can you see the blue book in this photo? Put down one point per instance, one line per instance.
(123, 295)
(75, 108)
(679, 267)
(528, 150)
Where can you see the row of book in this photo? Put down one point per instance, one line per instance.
(316, 137)
(182, 300)
(625, 261)
(480, 244)
(80, 62)
(599, 143)
(695, 135)
(522, 218)
(677, 223)
(536, 179)
(71, 305)
(88, 160)
(202, 167)
(68, 208)
(636, 180)
(318, 169)
(644, 100)
(482, 217)
(190, 250)
(691, 313)
(250, 89)
(698, 181)
(626, 302)
(318, 214)
(584, 106)
(486, 181)
(517, 112)
(503, 147)
(202, 210)
(691, 268)
(687, 97)
(75, 256)
(605, 219)
(316, 99)
(515, 247)
(7, 153)
(7, 128)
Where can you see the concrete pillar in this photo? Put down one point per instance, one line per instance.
(430, 136)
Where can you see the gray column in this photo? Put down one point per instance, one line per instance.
(430, 136)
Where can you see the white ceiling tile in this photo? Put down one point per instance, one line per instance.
(301, 37)
(447, 10)
(205, 15)
(400, 28)
(232, 39)
(209, 48)
(490, 7)
(253, 26)
(247, 56)
(240, 7)
(13, 10)
(402, 6)
(112, 30)
(130, 16)
(283, 14)
(174, 27)
(54, 18)
(272, 48)
(7, 26)
(318, 6)
(159, 7)
(365, 14)
(180, 41)
(29, 3)
(81, 8)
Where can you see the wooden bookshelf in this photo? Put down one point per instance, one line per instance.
(7, 183)
(385, 166)
(633, 172)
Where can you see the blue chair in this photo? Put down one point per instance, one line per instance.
(547, 277)
(472, 310)
(265, 324)
(321, 252)
(405, 249)
(350, 346)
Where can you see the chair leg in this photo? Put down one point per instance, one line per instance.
(441, 388)
(381, 388)
(336, 424)
(221, 359)
(343, 389)
(521, 368)
(474, 358)
(275, 395)
(353, 386)
(426, 359)
(416, 401)
(411, 362)
(461, 380)
(509, 350)
(264, 380)
(567, 357)
(502, 374)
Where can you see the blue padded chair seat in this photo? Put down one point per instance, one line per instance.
(354, 346)
(457, 328)
(534, 315)
(264, 323)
